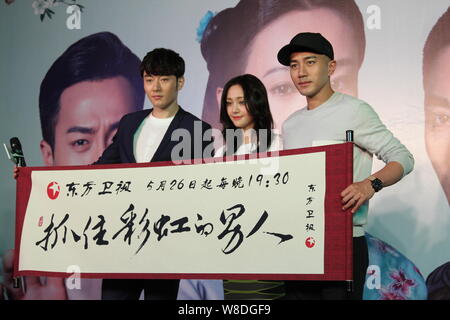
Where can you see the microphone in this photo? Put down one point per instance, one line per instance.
(16, 152)
(16, 155)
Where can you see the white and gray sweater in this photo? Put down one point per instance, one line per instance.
(328, 123)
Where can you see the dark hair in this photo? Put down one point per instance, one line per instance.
(438, 283)
(438, 39)
(257, 104)
(162, 62)
(96, 57)
(227, 58)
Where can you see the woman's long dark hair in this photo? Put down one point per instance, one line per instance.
(257, 103)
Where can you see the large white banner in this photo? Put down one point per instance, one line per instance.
(214, 218)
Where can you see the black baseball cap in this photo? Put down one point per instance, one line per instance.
(305, 42)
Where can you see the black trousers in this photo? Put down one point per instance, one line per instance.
(334, 290)
(130, 289)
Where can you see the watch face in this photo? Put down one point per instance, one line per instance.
(377, 184)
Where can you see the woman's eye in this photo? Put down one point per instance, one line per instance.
(438, 115)
(282, 89)
(440, 119)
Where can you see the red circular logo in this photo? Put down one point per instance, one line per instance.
(310, 242)
(53, 190)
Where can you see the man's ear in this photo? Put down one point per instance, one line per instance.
(180, 83)
(219, 92)
(331, 67)
(47, 153)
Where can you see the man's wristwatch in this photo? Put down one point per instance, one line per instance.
(377, 184)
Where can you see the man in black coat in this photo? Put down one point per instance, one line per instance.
(156, 135)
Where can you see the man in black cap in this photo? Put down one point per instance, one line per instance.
(325, 119)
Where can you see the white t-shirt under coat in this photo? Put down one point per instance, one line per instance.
(148, 137)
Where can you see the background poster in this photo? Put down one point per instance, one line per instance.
(413, 216)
